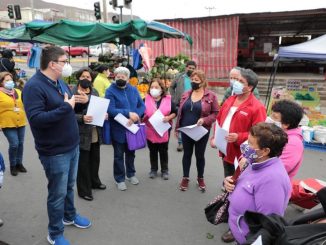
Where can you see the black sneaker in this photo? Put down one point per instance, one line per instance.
(13, 171)
(21, 168)
(165, 175)
(152, 174)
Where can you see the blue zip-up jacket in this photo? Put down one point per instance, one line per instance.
(122, 101)
(52, 120)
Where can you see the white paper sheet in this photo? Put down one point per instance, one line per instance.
(236, 163)
(220, 140)
(97, 108)
(156, 121)
(193, 131)
(258, 241)
(124, 122)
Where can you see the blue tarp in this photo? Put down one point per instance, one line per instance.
(314, 49)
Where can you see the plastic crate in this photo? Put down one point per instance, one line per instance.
(315, 146)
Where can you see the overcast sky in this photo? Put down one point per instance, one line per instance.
(169, 9)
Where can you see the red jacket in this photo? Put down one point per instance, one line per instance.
(209, 108)
(249, 113)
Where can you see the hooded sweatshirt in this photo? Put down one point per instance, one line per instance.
(292, 154)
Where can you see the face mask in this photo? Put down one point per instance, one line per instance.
(249, 153)
(270, 120)
(9, 85)
(232, 81)
(121, 82)
(195, 86)
(155, 92)
(189, 73)
(237, 88)
(66, 70)
(85, 83)
(125, 63)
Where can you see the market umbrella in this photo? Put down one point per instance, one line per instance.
(73, 33)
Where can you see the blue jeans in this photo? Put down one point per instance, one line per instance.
(15, 137)
(61, 172)
(119, 169)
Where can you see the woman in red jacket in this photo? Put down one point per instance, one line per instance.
(237, 115)
(197, 106)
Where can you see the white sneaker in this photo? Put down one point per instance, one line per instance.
(133, 180)
(122, 186)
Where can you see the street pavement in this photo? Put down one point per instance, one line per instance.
(76, 63)
(155, 212)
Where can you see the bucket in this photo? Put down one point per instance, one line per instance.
(308, 133)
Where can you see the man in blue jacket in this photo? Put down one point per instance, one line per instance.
(49, 106)
(124, 99)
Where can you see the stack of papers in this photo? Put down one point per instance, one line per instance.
(156, 121)
(124, 122)
(194, 131)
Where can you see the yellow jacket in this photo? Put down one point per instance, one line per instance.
(101, 83)
(9, 116)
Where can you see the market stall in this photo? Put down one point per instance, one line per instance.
(303, 91)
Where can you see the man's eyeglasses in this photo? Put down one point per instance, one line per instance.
(62, 61)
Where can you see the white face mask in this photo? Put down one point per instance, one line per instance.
(66, 70)
(155, 92)
(276, 123)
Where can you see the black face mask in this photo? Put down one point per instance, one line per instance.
(85, 84)
(195, 86)
(189, 73)
(121, 82)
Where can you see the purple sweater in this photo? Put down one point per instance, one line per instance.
(264, 187)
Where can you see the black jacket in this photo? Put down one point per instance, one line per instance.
(85, 130)
(275, 230)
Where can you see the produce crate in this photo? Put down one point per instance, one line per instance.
(314, 146)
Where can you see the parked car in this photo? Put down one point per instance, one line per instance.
(96, 50)
(19, 48)
(76, 51)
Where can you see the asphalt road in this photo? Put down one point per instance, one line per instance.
(155, 212)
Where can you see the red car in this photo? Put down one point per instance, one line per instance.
(76, 51)
(19, 48)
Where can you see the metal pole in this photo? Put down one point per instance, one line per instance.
(123, 48)
(120, 14)
(105, 12)
(88, 57)
(32, 9)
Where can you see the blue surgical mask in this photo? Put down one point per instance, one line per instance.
(9, 85)
(237, 88)
(232, 81)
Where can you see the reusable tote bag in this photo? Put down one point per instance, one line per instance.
(138, 140)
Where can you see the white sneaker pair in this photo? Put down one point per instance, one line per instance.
(122, 185)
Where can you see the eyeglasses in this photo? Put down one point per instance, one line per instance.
(63, 61)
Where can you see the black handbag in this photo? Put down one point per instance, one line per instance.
(217, 210)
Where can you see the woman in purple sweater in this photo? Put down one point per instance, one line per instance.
(264, 186)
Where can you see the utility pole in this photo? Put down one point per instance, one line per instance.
(105, 12)
(209, 10)
(32, 9)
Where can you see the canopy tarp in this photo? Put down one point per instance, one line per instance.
(314, 49)
(73, 33)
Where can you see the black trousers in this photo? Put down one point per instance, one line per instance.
(162, 150)
(88, 167)
(188, 148)
(228, 169)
